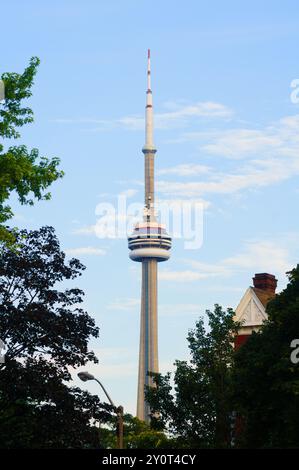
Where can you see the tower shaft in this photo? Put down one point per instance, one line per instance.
(148, 352)
(149, 169)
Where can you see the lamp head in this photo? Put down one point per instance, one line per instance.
(85, 376)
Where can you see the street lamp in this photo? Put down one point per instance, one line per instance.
(85, 376)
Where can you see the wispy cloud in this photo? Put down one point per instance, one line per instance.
(85, 250)
(114, 362)
(180, 309)
(271, 156)
(179, 276)
(182, 114)
(129, 192)
(179, 115)
(258, 158)
(124, 304)
(258, 173)
(238, 143)
(86, 230)
(185, 169)
(262, 255)
(256, 256)
(278, 138)
(199, 271)
(133, 304)
(172, 202)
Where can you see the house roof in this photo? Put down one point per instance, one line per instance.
(263, 295)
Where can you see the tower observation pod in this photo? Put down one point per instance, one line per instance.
(148, 244)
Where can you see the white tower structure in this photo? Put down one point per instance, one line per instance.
(149, 244)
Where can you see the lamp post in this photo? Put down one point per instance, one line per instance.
(85, 376)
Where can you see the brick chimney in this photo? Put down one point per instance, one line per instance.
(265, 281)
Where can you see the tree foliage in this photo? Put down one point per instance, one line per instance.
(46, 333)
(266, 382)
(137, 435)
(198, 413)
(22, 171)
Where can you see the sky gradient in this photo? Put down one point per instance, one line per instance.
(227, 134)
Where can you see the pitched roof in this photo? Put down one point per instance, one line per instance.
(264, 295)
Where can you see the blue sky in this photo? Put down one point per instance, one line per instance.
(226, 133)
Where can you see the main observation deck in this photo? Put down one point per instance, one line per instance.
(149, 241)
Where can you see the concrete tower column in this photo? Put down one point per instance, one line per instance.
(148, 352)
(149, 169)
(149, 244)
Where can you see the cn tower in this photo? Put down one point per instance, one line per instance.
(149, 244)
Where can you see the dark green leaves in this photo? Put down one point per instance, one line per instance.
(266, 382)
(21, 171)
(198, 411)
(46, 333)
(17, 88)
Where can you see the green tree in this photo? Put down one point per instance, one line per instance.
(137, 435)
(266, 382)
(22, 171)
(46, 333)
(198, 413)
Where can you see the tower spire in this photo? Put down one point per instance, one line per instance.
(149, 142)
(149, 149)
(149, 69)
